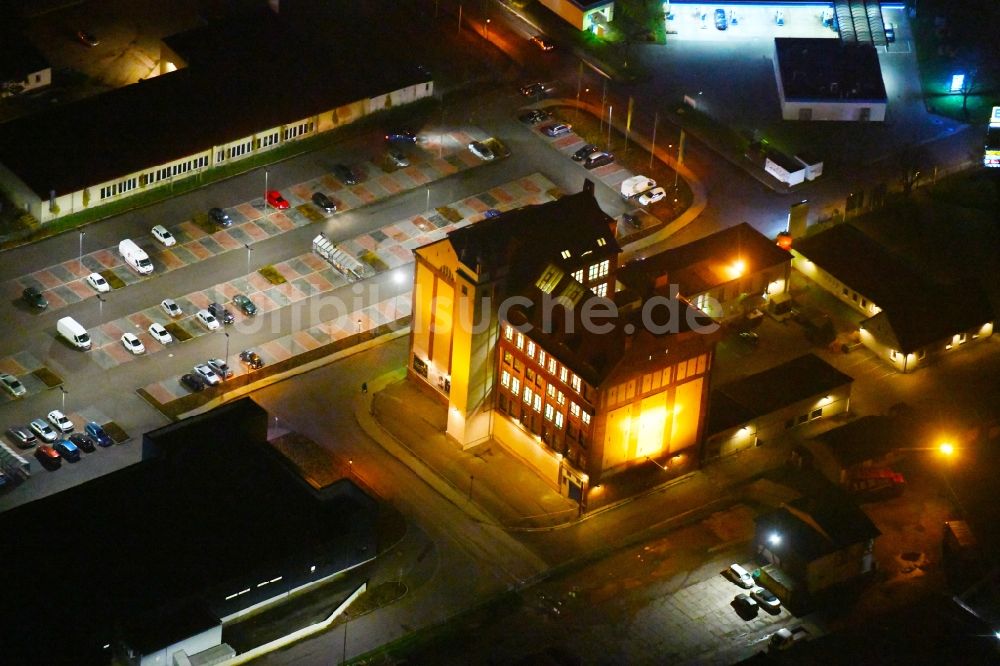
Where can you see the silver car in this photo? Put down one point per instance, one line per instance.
(12, 385)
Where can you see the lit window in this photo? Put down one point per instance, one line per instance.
(603, 268)
(531, 349)
(585, 417)
(508, 332)
(505, 379)
(538, 402)
(578, 275)
(601, 242)
(575, 383)
(563, 374)
(549, 412)
(541, 358)
(552, 366)
(601, 289)
(551, 391)
(508, 358)
(566, 254)
(574, 409)
(592, 272)
(515, 386)
(520, 341)
(528, 395)
(549, 278)
(562, 398)
(559, 420)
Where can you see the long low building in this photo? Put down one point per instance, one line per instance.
(228, 92)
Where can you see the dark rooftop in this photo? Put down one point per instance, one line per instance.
(705, 263)
(757, 395)
(215, 509)
(262, 75)
(867, 438)
(819, 524)
(18, 56)
(915, 312)
(828, 70)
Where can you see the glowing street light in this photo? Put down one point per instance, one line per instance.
(737, 268)
(946, 449)
(774, 539)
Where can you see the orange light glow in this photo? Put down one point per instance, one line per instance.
(737, 268)
(946, 448)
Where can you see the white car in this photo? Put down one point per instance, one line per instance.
(160, 334)
(170, 306)
(161, 234)
(97, 281)
(133, 344)
(207, 320)
(205, 372)
(652, 196)
(481, 150)
(12, 385)
(59, 420)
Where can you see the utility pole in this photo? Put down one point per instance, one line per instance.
(656, 120)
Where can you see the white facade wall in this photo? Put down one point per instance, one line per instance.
(923, 356)
(824, 110)
(843, 292)
(784, 175)
(166, 174)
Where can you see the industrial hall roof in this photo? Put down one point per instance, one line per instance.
(260, 74)
(820, 69)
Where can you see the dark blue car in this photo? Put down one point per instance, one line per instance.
(98, 434)
(68, 450)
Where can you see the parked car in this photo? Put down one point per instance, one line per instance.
(556, 129)
(82, 441)
(542, 43)
(491, 213)
(324, 202)
(170, 306)
(652, 196)
(275, 200)
(43, 430)
(749, 337)
(221, 313)
(251, 359)
(67, 449)
(98, 434)
(534, 116)
(160, 334)
(404, 136)
(397, 157)
(192, 382)
(481, 150)
(207, 375)
(744, 604)
(207, 320)
(87, 38)
(533, 89)
(740, 576)
(22, 437)
(220, 368)
(33, 297)
(98, 283)
(12, 385)
(345, 174)
(598, 159)
(133, 344)
(61, 421)
(585, 152)
(48, 456)
(779, 17)
(161, 234)
(246, 306)
(765, 599)
(720, 19)
(220, 217)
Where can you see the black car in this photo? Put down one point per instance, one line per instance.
(245, 305)
(345, 174)
(585, 152)
(220, 217)
(83, 442)
(221, 313)
(251, 359)
(33, 297)
(324, 202)
(192, 382)
(21, 436)
(534, 116)
(598, 159)
(533, 89)
(405, 136)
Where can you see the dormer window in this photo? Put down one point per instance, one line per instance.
(566, 254)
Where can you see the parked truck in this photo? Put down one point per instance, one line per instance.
(785, 638)
(135, 257)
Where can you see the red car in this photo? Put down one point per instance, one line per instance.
(47, 455)
(275, 200)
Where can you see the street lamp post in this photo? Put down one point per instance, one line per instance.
(82, 234)
(64, 392)
(100, 307)
(249, 250)
(265, 192)
(610, 109)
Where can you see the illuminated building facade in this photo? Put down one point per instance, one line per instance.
(521, 325)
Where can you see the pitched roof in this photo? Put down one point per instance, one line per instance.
(915, 311)
(820, 524)
(262, 75)
(757, 395)
(707, 263)
(867, 438)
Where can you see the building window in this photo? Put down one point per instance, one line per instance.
(574, 409)
(520, 341)
(603, 268)
(601, 290)
(816, 413)
(585, 417)
(529, 376)
(515, 386)
(552, 367)
(575, 383)
(541, 357)
(527, 395)
(508, 332)
(551, 391)
(592, 272)
(550, 412)
(578, 275)
(559, 420)
(561, 399)
(505, 379)
(538, 402)
(530, 351)
(563, 374)
(508, 358)
(846, 291)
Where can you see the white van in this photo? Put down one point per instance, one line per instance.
(135, 257)
(74, 333)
